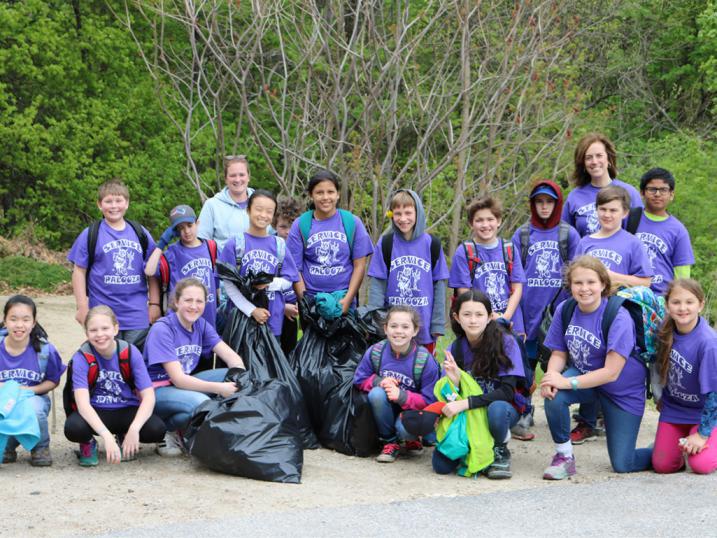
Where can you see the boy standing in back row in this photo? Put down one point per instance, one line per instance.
(109, 258)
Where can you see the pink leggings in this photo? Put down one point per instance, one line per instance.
(667, 456)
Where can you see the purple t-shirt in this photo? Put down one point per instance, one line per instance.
(400, 367)
(111, 391)
(691, 375)
(169, 341)
(410, 280)
(622, 253)
(583, 341)
(491, 278)
(25, 368)
(260, 255)
(668, 245)
(511, 349)
(116, 277)
(326, 262)
(194, 262)
(579, 209)
(543, 271)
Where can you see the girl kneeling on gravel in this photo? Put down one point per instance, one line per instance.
(687, 364)
(601, 368)
(174, 345)
(113, 394)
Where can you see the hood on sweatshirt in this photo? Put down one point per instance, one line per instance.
(224, 196)
(554, 220)
(420, 226)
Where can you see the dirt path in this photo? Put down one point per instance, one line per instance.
(68, 500)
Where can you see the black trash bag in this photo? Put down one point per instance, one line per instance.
(250, 434)
(262, 353)
(373, 321)
(325, 360)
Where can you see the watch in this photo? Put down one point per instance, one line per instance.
(574, 383)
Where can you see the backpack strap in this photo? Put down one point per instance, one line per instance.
(419, 364)
(239, 247)
(377, 355)
(164, 272)
(563, 238)
(633, 219)
(387, 249)
(474, 261)
(280, 253)
(212, 248)
(524, 235)
(567, 313)
(141, 235)
(508, 257)
(614, 302)
(349, 222)
(93, 231)
(93, 367)
(435, 250)
(43, 357)
(124, 355)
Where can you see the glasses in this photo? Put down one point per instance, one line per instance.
(235, 158)
(658, 190)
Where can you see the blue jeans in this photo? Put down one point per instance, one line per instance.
(175, 406)
(387, 419)
(41, 405)
(501, 417)
(621, 427)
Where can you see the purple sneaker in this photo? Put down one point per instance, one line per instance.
(561, 467)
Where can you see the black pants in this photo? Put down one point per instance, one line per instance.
(118, 422)
(289, 335)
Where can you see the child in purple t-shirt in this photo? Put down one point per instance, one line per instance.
(255, 251)
(188, 257)
(116, 276)
(666, 238)
(287, 210)
(174, 345)
(687, 367)
(416, 272)
(487, 263)
(595, 168)
(120, 400)
(601, 368)
(397, 373)
(329, 255)
(492, 357)
(623, 254)
(30, 360)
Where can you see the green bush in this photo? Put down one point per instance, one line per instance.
(20, 272)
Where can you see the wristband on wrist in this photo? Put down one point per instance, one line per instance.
(574, 383)
(153, 304)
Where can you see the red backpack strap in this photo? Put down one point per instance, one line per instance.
(508, 257)
(164, 272)
(93, 367)
(124, 355)
(472, 257)
(212, 247)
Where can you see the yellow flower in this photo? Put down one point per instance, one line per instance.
(389, 214)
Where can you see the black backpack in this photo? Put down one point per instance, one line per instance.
(563, 236)
(387, 249)
(633, 220)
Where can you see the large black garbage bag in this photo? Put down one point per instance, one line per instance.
(262, 353)
(250, 434)
(325, 360)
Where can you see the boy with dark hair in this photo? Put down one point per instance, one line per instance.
(666, 238)
(487, 263)
(109, 258)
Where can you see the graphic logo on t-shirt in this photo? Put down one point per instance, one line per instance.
(23, 376)
(187, 356)
(327, 253)
(579, 342)
(579, 353)
(123, 255)
(108, 384)
(678, 367)
(404, 382)
(591, 219)
(408, 281)
(606, 256)
(547, 263)
(260, 261)
(495, 289)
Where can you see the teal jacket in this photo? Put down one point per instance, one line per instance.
(17, 416)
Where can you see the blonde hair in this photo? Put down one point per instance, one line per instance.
(402, 198)
(666, 334)
(228, 161)
(588, 262)
(112, 187)
(100, 310)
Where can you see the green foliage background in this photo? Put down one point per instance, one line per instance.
(78, 106)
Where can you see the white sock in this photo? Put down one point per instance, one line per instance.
(566, 449)
(507, 438)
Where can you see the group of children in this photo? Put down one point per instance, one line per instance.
(138, 378)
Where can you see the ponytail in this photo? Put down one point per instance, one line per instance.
(665, 337)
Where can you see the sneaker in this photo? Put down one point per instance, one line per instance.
(88, 454)
(170, 446)
(561, 467)
(40, 457)
(600, 427)
(9, 456)
(581, 433)
(500, 468)
(521, 430)
(412, 447)
(389, 453)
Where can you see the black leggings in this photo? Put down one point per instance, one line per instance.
(118, 422)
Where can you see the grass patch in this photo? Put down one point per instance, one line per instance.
(19, 272)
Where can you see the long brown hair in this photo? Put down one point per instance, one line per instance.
(580, 173)
(666, 334)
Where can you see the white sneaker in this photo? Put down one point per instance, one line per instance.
(170, 446)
